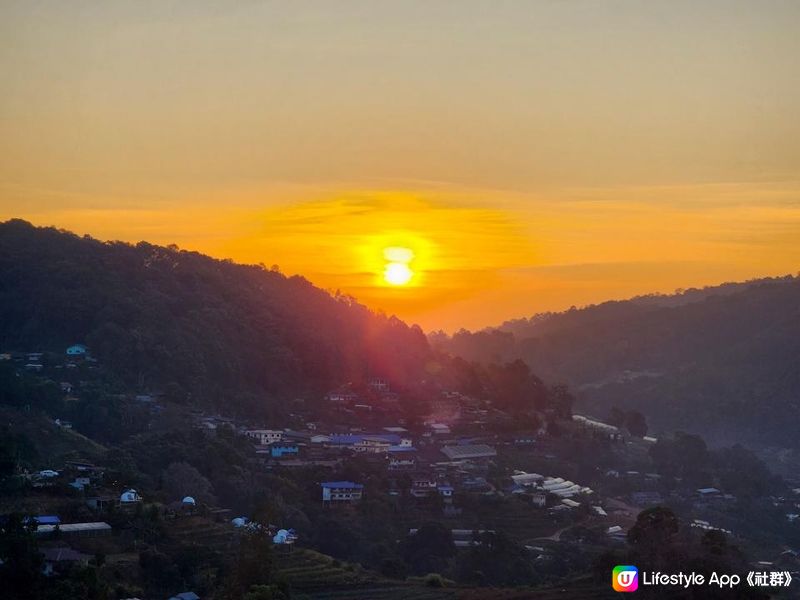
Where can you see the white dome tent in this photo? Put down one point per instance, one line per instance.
(280, 537)
(130, 496)
(285, 536)
(239, 521)
(189, 501)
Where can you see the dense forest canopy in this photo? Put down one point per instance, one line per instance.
(722, 361)
(170, 320)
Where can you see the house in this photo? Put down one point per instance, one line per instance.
(342, 396)
(646, 498)
(297, 437)
(46, 520)
(439, 429)
(396, 429)
(402, 458)
(616, 533)
(77, 350)
(368, 443)
(422, 486)
(372, 444)
(79, 483)
(58, 559)
(476, 484)
(93, 529)
(83, 466)
(265, 437)
(525, 440)
(378, 385)
(526, 479)
(341, 492)
(469, 452)
(446, 492)
(283, 450)
(539, 499)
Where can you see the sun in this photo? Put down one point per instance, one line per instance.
(396, 271)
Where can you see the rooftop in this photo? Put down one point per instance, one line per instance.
(342, 485)
(74, 527)
(468, 451)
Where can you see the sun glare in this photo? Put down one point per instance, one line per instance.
(396, 271)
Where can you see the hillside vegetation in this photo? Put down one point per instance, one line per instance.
(182, 323)
(720, 361)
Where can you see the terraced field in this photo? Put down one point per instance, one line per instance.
(201, 531)
(322, 578)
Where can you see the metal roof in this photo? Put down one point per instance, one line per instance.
(469, 451)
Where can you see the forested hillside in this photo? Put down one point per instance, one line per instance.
(720, 361)
(179, 322)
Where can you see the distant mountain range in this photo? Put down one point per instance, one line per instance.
(722, 361)
(164, 319)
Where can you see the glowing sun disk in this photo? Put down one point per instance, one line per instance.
(397, 273)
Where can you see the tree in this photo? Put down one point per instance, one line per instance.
(182, 479)
(654, 527)
(561, 399)
(253, 564)
(652, 537)
(265, 592)
(495, 559)
(158, 569)
(21, 562)
(636, 424)
(616, 417)
(429, 549)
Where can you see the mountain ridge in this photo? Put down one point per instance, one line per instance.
(165, 318)
(722, 364)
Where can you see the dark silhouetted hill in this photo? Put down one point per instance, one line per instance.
(722, 361)
(164, 319)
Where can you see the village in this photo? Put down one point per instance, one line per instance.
(464, 464)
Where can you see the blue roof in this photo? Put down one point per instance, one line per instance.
(341, 484)
(345, 438)
(402, 449)
(352, 438)
(185, 596)
(47, 520)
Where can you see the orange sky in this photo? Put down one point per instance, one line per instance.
(532, 155)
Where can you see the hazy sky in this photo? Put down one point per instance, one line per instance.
(533, 155)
